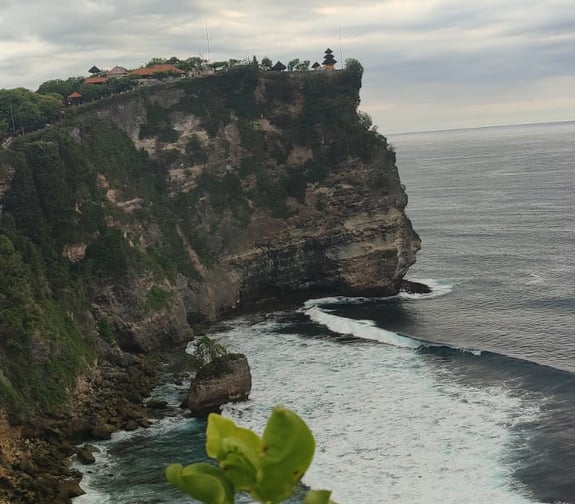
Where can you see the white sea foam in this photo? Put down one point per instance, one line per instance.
(365, 329)
(335, 300)
(535, 279)
(389, 426)
(439, 287)
(90, 475)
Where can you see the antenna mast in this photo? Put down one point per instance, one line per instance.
(208, 39)
(340, 50)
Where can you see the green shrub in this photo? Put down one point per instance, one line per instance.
(168, 135)
(109, 254)
(105, 331)
(206, 351)
(157, 298)
(158, 122)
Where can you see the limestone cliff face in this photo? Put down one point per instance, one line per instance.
(293, 197)
(359, 243)
(151, 211)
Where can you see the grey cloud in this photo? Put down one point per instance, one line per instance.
(432, 52)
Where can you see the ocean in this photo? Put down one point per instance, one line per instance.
(462, 396)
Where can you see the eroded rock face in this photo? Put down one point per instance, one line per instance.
(359, 243)
(232, 384)
(345, 233)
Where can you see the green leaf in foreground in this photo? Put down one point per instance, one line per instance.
(202, 481)
(288, 449)
(269, 468)
(237, 449)
(318, 497)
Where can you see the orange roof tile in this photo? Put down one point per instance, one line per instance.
(75, 94)
(96, 80)
(148, 71)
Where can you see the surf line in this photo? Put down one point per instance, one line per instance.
(368, 330)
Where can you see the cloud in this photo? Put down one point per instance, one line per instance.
(429, 63)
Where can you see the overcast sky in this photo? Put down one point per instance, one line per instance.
(429, 64)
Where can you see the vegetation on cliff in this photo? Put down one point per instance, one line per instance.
(136, 216)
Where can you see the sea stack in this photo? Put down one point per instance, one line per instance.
(230, 380)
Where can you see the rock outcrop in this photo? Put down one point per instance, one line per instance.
(229, 381)
(35, 465)
(287, 195)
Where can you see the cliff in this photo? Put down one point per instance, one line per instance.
(141, 215)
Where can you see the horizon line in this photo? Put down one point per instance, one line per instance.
(445, 130)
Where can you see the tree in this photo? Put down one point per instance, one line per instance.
(156, 61)
(217, 66)
(196, 63)
(365, 120)
(61, 87)
(22, 202)
(266, 63)
(303, 66)
(50, 106)
(28, 116)
(292, 64)
(354, 66)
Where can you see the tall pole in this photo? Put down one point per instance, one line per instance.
(340, 50)
(208, 39)
(13, 123)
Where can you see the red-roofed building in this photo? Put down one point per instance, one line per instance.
(75, 98)
(96, 80)
(156, 69)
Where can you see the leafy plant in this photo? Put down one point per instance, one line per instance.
(268, 467)
(206, 351)
(105, 331)
(157, 298)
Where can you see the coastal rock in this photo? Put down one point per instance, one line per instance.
(85, 456)
(35, 467)
(231, 382)
(69, 489)
(412, 287)
(103, 431)
(156, 404)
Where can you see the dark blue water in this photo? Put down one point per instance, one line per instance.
(466, 395)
